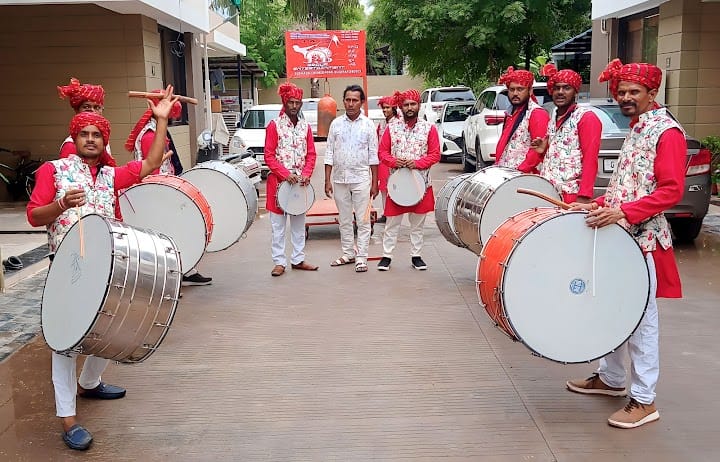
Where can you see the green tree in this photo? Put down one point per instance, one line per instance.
(467, 41)
(312, 12)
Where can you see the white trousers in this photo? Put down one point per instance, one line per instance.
(349, 197)
(65, 380)
(392, 228)
(644, 350)
(278, 223)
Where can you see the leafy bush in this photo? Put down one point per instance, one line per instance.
(712, 143)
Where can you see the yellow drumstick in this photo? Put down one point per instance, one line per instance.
(545, 197)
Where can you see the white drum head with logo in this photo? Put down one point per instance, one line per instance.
(232, 198)
(76, 281)
(567, 305)
(295, 199)
(406, 187)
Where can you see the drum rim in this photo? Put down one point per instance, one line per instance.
(291, 185)
(414, 172)
(105, 294)
(506, 264)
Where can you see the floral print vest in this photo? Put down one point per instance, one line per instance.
(292, 143)
(73, 173)
(634, 177)
(410, 143)
(166, 167)
(562, 164)
(519, 143)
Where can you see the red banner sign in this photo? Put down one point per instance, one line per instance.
(325, 53)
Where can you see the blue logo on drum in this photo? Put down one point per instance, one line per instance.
(577, 286)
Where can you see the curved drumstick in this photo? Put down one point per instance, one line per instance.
(147, 94)
(542, 196)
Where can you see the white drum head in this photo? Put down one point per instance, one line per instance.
(228, 202)
(562, 308)
(295, 199)
(169, 211)
(75, 287)
(406, 187)
(505, 201)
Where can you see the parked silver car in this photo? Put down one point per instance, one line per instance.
(686, 217)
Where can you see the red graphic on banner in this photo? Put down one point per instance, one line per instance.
(325, 53)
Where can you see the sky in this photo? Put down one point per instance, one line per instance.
(367, 6)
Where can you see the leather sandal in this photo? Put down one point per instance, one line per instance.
(304, 266)
(277, 270)
(344, 260)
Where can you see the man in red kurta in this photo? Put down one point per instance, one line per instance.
(413, 144)
(527, 121)
(649, 179)
(569, 151)
(389, 109)
(290, 155)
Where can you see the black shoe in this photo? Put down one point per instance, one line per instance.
(196, 279)
(77, 438)
(382, 219)
(104, 391)
(384, 264)
(418, 264)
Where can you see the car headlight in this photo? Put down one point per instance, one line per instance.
(450, 136)
(238, 143)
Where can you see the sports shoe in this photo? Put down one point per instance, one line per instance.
(196, 279)
(634, 414)
(594, 386)
(418, 263)
(384, 264)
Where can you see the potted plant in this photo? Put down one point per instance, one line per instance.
(712, 143)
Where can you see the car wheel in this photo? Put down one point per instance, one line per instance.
(686, 229)
(467, 168)
(480, 162)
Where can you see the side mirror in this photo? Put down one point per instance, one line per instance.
(238, 125)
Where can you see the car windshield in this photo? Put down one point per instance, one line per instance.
(259, 118)
(373, 103)
(613, 120)
(453, 95)
(455, 113)
(309, 105)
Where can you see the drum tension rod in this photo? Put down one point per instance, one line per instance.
(167, 297)
(120, 255)
(112, 315)
(159, 324)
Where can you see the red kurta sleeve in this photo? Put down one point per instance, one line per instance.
(310, 156)
(271, 160)
(127, 175)
(537, 126)
(671, 153)
(504, 137)
(590, 133)
(66, 149)
(44, 191)
(433, 151)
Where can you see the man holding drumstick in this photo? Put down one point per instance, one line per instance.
(412, 144)
(290, 155)
(65, 190)
(648, 180)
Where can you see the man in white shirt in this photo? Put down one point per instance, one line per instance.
(351, 169)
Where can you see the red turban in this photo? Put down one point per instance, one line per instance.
(387, 101)
(175, 113)
(567, 76)
(289, 90)
(521, 76)
(401, 97)
(78, 94)
(85, 119)
(642, 73)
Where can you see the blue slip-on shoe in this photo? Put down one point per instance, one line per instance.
(103, 391)
(77, 438)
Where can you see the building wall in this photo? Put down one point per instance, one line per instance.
(43, 46)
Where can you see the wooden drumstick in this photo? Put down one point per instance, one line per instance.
(147, 94)
(542, 196)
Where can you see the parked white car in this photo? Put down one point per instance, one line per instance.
(250, 133)
(450, 127)
(375, 113)
(485, 123)
(310, 113)
(433, 100)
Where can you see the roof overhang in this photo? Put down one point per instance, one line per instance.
(221, 45)
(579, 44)
(621, 8)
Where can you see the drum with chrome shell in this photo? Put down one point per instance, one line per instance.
(445, 209)
(111, 290)
(569, 292)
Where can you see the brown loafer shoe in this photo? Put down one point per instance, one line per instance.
(277, 270)
(304, 266)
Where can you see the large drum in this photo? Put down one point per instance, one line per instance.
(406, 186)
(173, 206)
(295, 199)
(445, 209)
(569, 292)
(232, 198)
(111, 290)
(489, 197)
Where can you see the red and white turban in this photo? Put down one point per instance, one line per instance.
(289, 90)
(645, 74)
(387, 101)
(401, 97)
(85, 119)
(520, 76)
(78, 94)
(175, 113)
(567, 76)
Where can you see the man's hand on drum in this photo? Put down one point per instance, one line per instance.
(293, 178)
(74, 198)
(304, 180)
(604, 216)
(539, 145)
